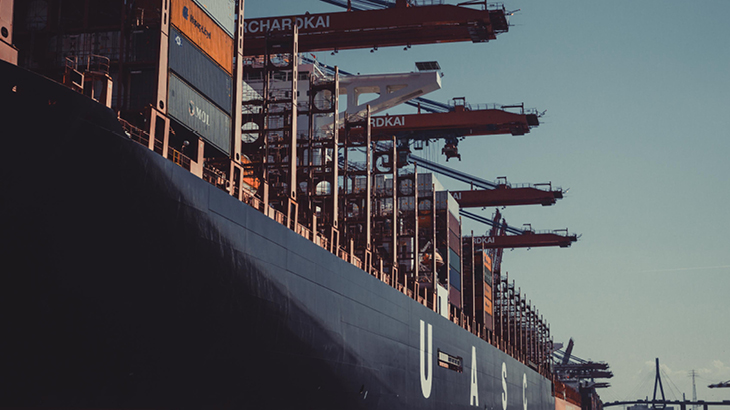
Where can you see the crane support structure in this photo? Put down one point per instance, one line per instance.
(391, 90)
(397, 26)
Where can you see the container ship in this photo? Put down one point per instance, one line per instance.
(190, 220)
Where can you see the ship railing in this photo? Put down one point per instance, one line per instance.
(97, 64)
(278, 216)
(135, 133)
(215, 177)
(254, 202)
(322, 241)
(385, 277)
(142, 137)
(343, 254)
(356, 261)
(178, 157)
(71, 62)
(303, 231)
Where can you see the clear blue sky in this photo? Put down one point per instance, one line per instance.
(637, 95)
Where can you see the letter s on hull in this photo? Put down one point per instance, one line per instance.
(504, 386)
(426, 380)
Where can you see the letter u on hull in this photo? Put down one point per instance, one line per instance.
(426, 379)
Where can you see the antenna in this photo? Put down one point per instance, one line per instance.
(693, 373)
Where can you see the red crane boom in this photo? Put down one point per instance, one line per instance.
(504, 195)
(398, 26)
(520, 238)
(495, 194)
(462, 122)
(527, 240)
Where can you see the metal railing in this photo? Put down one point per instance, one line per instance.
(426, 2)
(97, 64)
(179, 158)
(135, 133)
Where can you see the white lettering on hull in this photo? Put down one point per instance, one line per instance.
(524, 391)
(426, 371)
(474, 398)
(426, 380)
(504, 386)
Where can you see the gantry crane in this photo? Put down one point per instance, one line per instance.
(450, 122)
(402, 25)
(461, 122)
(454, 125)
(577, 372)
(358, 29)
(521, 238)
(492, 194)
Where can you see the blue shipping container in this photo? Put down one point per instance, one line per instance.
(198, 70)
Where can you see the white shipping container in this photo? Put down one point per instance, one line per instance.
(223, 12)
(427, 183)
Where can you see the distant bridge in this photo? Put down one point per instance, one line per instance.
(660, 404)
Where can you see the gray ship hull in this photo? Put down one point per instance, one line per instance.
(131, 283)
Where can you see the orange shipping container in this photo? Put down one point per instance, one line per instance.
(487, 262)
(488, 299)
(204, 32)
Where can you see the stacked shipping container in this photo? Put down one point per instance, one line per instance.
(200, 64)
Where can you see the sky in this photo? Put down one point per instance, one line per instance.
(637, 126)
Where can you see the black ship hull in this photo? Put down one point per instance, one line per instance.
(130, 283)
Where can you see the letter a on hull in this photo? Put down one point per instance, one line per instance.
(426, 378)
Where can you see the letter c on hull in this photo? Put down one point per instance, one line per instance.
(426, 380)
(524, 391)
